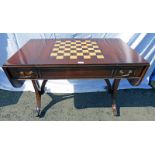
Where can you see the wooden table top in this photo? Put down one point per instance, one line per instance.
(74, 52)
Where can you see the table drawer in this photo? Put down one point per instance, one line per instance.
(77, 72)
(128, 72)
(23, 73)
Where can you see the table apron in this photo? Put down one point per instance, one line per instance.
(75, 72)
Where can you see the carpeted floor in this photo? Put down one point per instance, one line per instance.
(135, 104)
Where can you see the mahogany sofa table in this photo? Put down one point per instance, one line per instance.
(44, 59)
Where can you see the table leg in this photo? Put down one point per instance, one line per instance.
(114, 94)
(109, 87)
(43, 86)
(39, 90)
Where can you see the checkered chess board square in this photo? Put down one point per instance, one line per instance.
(73, 49)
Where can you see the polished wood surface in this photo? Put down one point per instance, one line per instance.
(37, 52)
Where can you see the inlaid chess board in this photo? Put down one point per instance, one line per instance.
(76, 49)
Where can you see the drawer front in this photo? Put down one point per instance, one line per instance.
(77, 72)
(23, 73)
(126, 72)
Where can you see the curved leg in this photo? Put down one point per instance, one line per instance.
(43, 86)
(108, 85)
(114, 94)
(38, 96)
(112, 89)
(38, 92)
